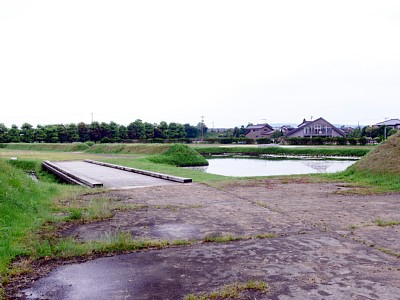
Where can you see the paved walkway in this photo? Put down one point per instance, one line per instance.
(111, 178)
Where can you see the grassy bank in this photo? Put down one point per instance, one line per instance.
(24, 206)
(380, 169)
(46, 147)
(285, 151)
(146, 149)
(376, 183)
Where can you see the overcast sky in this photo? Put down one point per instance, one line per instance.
(233, 62)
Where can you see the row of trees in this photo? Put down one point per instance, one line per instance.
(99, 132)
(144, 131)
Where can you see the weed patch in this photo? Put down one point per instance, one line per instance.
(383, 223)
(232, 291)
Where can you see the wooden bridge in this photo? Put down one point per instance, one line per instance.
(98, 174)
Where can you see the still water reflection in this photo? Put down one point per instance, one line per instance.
(241, 167)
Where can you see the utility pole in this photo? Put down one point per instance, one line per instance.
(92, 117)
(202, 129)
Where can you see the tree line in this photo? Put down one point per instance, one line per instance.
(100, 132)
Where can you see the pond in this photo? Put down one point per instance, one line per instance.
(241, 167)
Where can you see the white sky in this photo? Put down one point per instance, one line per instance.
(232, 62)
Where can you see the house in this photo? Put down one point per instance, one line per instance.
(317, 128)
(392, 123)
(286, 128)
(259, 131)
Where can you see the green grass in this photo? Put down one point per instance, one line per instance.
(286, 151)
(148, 149)
(384, 160)
(374, 182)
(24, 206)
(47, 146)
(181, 156)
(212, 238)
(110, 243)
(232, 291)
(383, 223)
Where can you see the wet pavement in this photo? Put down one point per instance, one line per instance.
(326, 244)
(297, 267)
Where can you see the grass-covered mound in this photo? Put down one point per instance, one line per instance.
(129, 148)
(384, 160)
(380, 169)
(72, 147)
(181, 156)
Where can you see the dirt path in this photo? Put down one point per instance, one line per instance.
(326, 244)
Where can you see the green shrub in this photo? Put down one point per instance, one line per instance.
(90, 143)
(264, 141)
(362, 141)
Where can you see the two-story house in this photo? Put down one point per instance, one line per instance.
(259, 131)
(317, 128)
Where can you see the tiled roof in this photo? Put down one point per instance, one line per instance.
(391, 122)
(259, 126)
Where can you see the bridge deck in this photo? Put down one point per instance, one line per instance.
(110, 177)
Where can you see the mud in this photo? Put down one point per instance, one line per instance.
(326, 246)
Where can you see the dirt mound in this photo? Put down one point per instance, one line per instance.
(382, 160)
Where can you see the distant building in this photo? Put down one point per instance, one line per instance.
(259, 131)
(347, 130)
(286, 128)
(317, 128)
(392, 123)
(219, 129)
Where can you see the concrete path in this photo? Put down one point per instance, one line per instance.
(111, 178)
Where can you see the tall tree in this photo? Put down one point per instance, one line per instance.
(62, 131)
(136, 130)
(72, 130)
(114, 132)
(14, 134)
(3, 133)
(40, 134)
(83, 132)
(175, 131)
(123, 132)
(27, 133)
(148, 130)
(191, 131)
(95, 131)
(51, 132)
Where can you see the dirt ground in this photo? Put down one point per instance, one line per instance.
(326, 244)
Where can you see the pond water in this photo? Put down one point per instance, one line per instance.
(241, 167)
